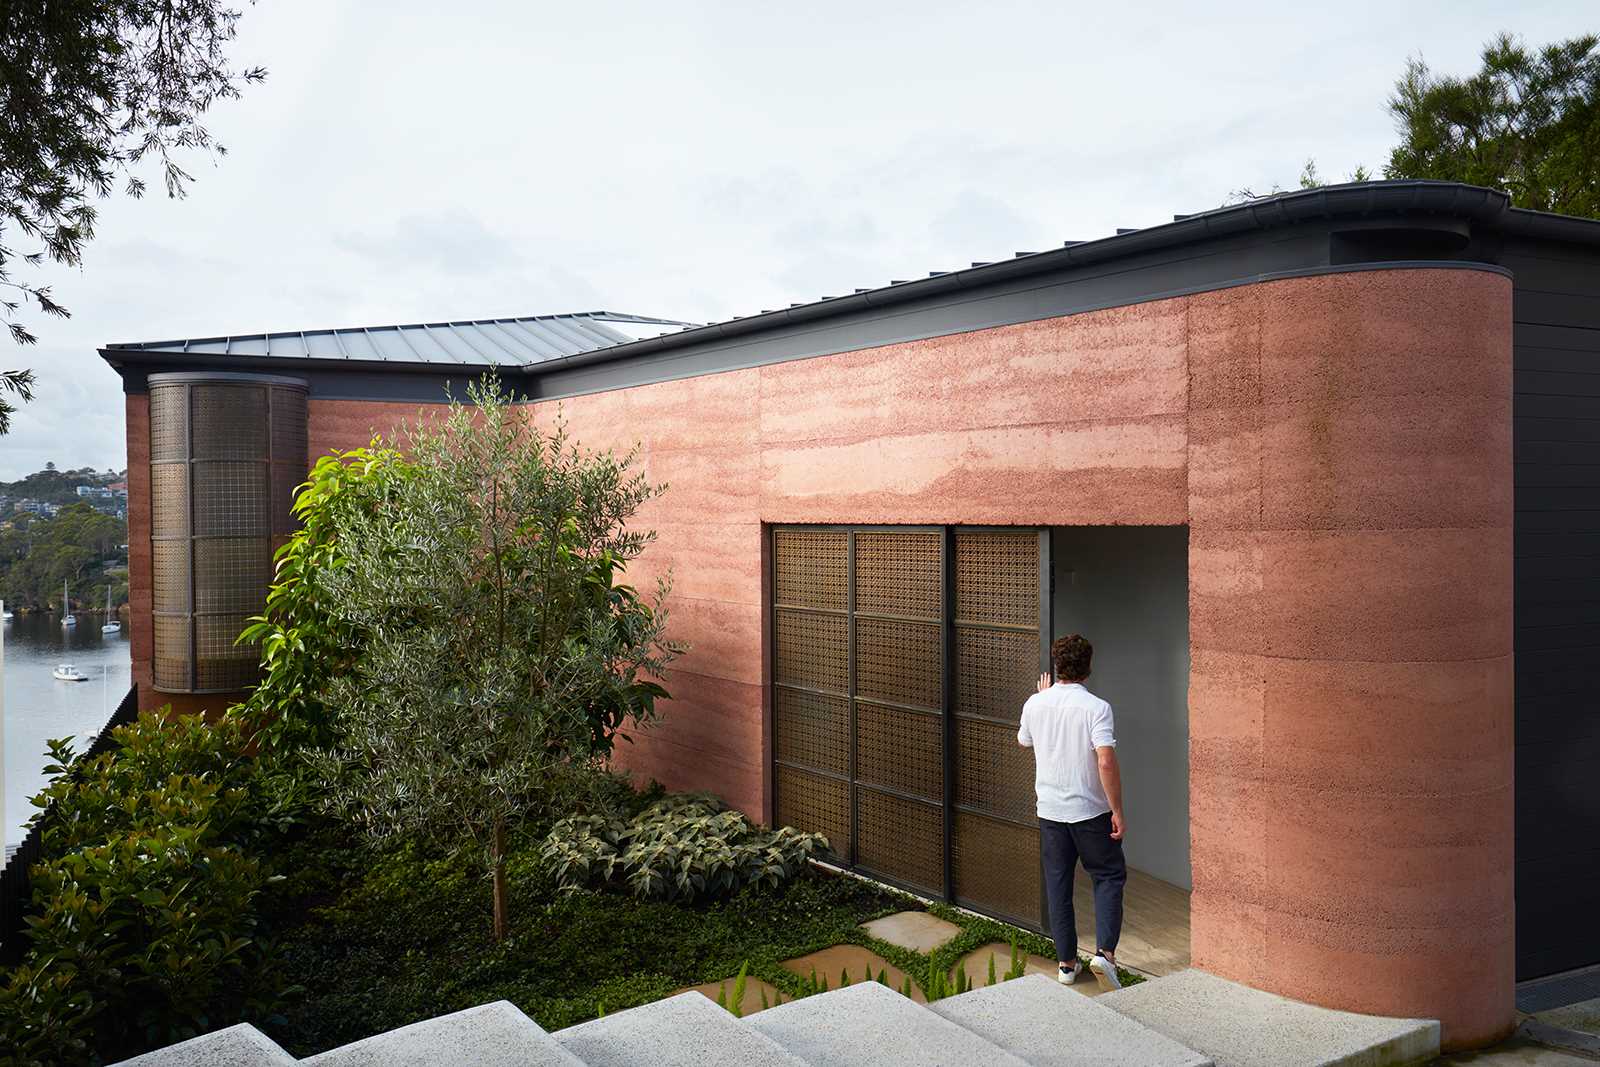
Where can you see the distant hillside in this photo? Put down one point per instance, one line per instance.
(51, 486)
(81, 546)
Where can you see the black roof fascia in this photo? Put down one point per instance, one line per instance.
(332, 379)
(1367, 199)
(1281, 236)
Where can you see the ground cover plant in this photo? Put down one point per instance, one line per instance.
(381, 943)
(684, 847)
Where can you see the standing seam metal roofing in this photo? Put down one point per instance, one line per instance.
(508, 342)
(581, 339)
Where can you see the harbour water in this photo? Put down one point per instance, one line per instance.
(38, 707)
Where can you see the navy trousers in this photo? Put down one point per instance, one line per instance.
(1063, 844)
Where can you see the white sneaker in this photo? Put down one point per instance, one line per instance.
(1066, 977)
(1106, 971)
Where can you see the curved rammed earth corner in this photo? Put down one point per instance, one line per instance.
(1350, 623)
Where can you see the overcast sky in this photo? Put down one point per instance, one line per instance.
(696, 160)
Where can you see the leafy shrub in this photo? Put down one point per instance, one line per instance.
(304, 642)
(143, 929)
(683, 848)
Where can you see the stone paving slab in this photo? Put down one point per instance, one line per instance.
(915, 930)
(1040, 1021)
(754, 989)
(682, 1031)
(869, 1024)
(860, 964)
(1242, 1027)
(237, 1046)
(490, 1035)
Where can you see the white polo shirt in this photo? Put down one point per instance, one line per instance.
(1064, 725)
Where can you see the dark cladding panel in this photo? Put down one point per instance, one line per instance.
(1556, 592)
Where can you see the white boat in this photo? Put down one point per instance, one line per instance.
(6, 616)
(67, 618)
(66, 672)
(112, 625)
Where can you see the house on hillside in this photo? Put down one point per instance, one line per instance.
(1317, 474)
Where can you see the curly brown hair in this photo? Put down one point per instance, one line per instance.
(1071, 655)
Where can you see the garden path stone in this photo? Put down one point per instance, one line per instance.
(682, 1031)
(859, 963)
(868, 1023)
(237, 1046)
(490, 1035)
(754, 988)
(1242, 1027)
(915, 930)
(976, 964)
(1042, 1022)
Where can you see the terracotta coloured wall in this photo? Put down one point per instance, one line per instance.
(1341, 447)
(1350, 710)
(1077, 420)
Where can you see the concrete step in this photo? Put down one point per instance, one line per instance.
(237, 1046)
(682, 1031)
(490, 1035)
(870, 1023)
(1042, 1022)
(1242, 1027)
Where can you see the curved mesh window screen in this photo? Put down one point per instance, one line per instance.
(226, 451)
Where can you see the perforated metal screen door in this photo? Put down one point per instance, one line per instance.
(901, 658)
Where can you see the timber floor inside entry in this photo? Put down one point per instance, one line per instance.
(1155, 923)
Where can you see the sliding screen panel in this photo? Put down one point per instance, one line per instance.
(811, 685)
(996, 623)
(901, 658)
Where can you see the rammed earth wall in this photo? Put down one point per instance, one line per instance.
(1339, 445)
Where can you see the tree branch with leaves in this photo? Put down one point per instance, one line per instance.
(89, 90)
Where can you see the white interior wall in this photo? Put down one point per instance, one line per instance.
(1126, 588)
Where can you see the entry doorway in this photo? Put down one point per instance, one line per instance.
(1126, 588)
(901, 657)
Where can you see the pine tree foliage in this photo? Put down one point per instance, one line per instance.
(1527, 122)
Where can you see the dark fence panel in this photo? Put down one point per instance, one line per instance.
(15, 891)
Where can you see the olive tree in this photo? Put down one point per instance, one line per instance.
(500, 652)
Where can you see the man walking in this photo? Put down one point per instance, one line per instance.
(1079, 790)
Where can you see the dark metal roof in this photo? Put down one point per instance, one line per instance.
(518, 342)
(563, 344)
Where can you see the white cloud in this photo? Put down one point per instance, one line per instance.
(702, 160)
